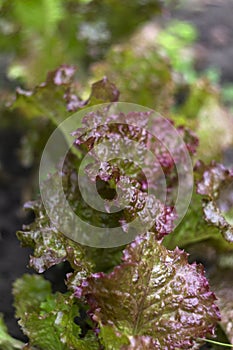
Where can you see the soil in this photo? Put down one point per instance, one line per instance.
(215, 47)
(14, 259)
(213, 20)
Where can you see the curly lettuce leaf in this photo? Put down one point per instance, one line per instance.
(215, 185)
(154, 293)
(209, 215)
(50, 246)
(54, 327)
(50, 103)
(48, 319)
(50, 98)
(103, 91)
(29, 291)
(102, 259)
(58, 95)
(194, 229)
(131, 180)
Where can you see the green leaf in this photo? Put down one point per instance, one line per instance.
(54, 328)
(110, 339)
(50, 103)
(6, 341)
(155, 293)
(49, 99)
(29, 291)
(48, 319)
(194, 228)
(57, 96)
(104, 259)
(51, 247)
(175, 39)
(201, 109)
(29, 15)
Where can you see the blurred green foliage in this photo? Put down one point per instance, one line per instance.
(227, 95)
(141, 58)
(176, 39)
(141, 74)
(42, 34)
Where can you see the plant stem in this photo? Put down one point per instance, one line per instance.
(216, 342)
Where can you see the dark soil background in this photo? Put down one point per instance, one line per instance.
(215, 47)
(14, 259)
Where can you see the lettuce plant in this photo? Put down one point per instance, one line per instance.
(144, 295)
